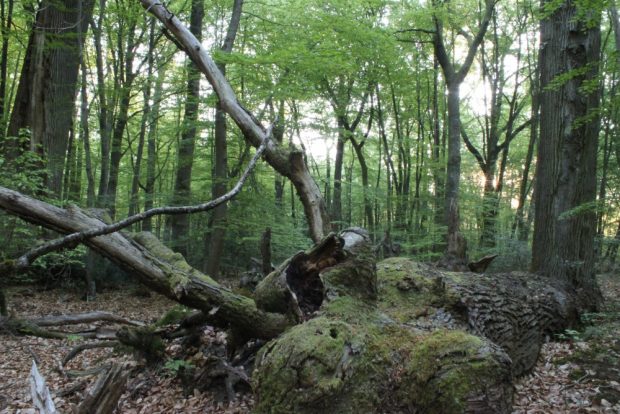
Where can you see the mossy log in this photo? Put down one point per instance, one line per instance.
(351, 336)
(154, 265)
(431, 342)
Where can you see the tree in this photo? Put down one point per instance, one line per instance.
(183, 178)
(220, 168)
(454, 76)
(565, 218)
(46, 93)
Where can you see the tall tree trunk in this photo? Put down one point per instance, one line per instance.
(151, 157)
(85, 138)
(126, 78)
(104, 114)
(46, 92)
(336, 207)
(566, 166)
(134, 201)
(217, 223)
(287, 161)
(456, 243)
(182, 185)
(519, 226)
(7, 23)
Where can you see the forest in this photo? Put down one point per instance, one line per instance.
(309, 206)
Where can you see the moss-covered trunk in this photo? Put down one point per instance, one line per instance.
(351, 336)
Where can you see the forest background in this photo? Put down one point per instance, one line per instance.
(99, 108)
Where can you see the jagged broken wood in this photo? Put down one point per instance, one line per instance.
(288, 162)
(399, 336)
(103, 397)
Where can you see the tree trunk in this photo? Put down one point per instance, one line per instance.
(217, 223)
(392, 337)
(46, 92)
(182, 185)
(565, 220)
(7, 23)
(288, 162)
(336, 207)
(151, 158)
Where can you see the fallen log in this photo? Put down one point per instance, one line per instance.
(350, 336)
(156, 266)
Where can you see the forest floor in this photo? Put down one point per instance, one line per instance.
(577, 372)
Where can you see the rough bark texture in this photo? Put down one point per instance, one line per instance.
(103, 397)
(154, 265)
(217, 224)
(565, 223)
(185, 161)
(46, 91)
(351, 336)
(456, 243)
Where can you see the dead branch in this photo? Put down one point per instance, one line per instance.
(72, 240)
(89, 317)
(83, 347)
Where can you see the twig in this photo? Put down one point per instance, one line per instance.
(83, 347)
(74, 239)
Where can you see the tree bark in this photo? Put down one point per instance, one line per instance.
(456, 243)
(46, 92)
(154, 265)
(368, 337)
(217, 224)
(565, 222)
(183, 180)
(288, 162)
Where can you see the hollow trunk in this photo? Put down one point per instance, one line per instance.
(350, 335)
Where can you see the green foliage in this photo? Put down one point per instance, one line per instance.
(173, 366)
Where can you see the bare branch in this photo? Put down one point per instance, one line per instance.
(74, 239)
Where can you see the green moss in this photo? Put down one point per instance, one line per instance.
(304, 368)
(173, 316)
(362, 356)
(409, 290)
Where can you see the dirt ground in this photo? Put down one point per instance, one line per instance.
(577, 372)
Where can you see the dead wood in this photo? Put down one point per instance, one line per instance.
(74, 319)
(103, 397)
(83, 347)
(155, 266)
(41, 397)
(481, 265)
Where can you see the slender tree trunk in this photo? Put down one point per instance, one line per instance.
(218, 224)
(336, 207)
(7, 23)
(127, 77)
(182, 185)
(566, 167)
(149, 188)
(519, 227)
(85, 138)
(134, 201)
(105, 129)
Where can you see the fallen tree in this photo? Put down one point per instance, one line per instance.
(348, 335)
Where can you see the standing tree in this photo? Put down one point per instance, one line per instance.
(182, 184)
(45, 98)
(454, 76)
(565, 191)
(217, 223)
